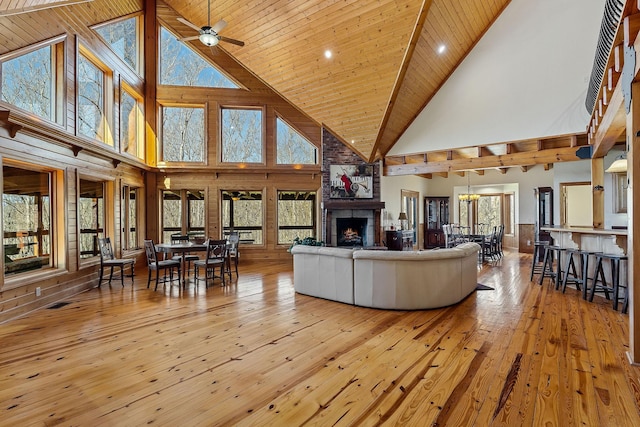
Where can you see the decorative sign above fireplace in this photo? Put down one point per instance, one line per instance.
(351, 181)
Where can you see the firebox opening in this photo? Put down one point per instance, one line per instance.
(351, 231)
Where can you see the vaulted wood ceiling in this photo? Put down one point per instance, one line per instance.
(385, 65)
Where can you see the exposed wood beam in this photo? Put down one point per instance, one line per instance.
(565, 154)
(524, 168)
(503, 170)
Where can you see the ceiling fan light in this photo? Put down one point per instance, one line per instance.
(208, 39)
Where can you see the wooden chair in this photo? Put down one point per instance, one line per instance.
(216, 259)
(185, 257)
(154, 264)
(108, 260)
(233, 252)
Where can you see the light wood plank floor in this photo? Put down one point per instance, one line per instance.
(255, 353)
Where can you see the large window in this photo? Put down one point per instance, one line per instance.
(91, 216)
(131, 123)
(183, 134)
(174, 203)
(241, 135)
(296, 215)
(293, 148)
(129, 217)
(26, 219)
(242, 212)
(91, 100)
(123, 38)
(481, 214)
(31, 81)
(181, 66)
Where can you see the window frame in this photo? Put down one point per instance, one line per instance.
(205, 134)
(263, 135)
(139, 121)
(126, 190)
(138, 16)
(58, 79)
(225, 230)
(107, 96)
(314, 217)
(57, 259)
(185, 218)
(107, 207)
(300, 134)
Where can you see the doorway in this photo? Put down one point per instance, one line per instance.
(576, 206)
(409, 205)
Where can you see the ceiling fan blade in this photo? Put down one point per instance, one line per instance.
(185, 22)
(218, 26)
(186, 39)
(232, 41)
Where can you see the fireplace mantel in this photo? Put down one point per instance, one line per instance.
(353, 204)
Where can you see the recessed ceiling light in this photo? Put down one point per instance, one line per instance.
(327, 54)
(353, 141)
(441, 49)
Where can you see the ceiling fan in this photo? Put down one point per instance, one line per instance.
(209, 34)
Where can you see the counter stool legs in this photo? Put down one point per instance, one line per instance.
(614, 286)
(547, 265)
(536, 264)
(571, 274)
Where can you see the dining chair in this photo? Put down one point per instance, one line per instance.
(154, 264)
(233, 251)
(108, 260)
(216, 259)
(185, 257)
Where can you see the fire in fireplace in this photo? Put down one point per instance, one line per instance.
(351, 231)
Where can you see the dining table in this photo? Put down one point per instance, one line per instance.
(182, 249)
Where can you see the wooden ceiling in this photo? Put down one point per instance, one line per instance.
(385, 65)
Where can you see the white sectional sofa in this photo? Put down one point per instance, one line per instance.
(404, 280)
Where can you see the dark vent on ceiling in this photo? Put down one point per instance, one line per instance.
(58, 305)
(608, 28)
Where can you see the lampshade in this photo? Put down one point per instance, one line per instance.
(208, 39)
(619, 165)
(402, 216)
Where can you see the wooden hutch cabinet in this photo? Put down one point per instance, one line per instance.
(436, 214)
(544, 214)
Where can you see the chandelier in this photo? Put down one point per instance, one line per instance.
(468, 196)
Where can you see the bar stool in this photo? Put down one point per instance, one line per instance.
(614, 286)
(550, 252)
(571, 273)
(536, 264)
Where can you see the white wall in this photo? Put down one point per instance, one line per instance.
(526, 78)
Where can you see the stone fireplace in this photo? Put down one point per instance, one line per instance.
(339, 214)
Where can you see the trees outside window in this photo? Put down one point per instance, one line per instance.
(91, 100)
(129, 218)
(242, 211)
(174, 203)
(296, 215)
(91, 216)
(292, 147)
(242, 135)
(26, 219)
(29, 81)
(181, 66)
(131, 123)
(123, 38)
(183, 134)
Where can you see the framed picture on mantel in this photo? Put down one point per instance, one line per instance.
(351, 181)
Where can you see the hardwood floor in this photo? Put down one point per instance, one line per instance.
(256, 353)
